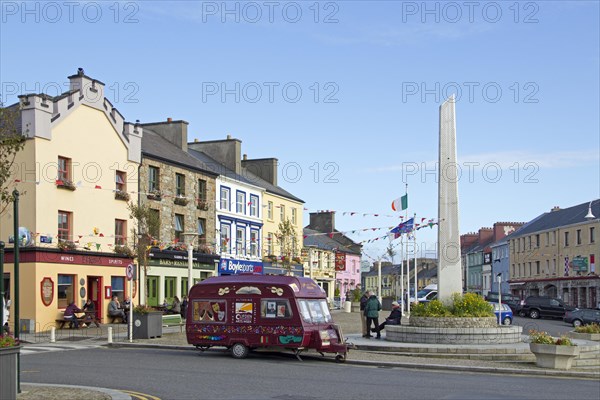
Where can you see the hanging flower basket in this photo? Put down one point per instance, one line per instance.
(123, 251)
(65, 184)
(154, 195)
(202, 205)
(181, 201)
(121, 195)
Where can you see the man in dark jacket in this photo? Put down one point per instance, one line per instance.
(363, 317)
(70, 314)
(395, 317)
(372, 313)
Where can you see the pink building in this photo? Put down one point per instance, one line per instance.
(347, 252)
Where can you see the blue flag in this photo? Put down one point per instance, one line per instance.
(404, 227)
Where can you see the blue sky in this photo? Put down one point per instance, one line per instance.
(372, 76)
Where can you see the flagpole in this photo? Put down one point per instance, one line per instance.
(407, 258)
(415, 251)
(402, 275)
(408, 274)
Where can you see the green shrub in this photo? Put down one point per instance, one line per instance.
(467, 305)
(470, 305)
(591, 328)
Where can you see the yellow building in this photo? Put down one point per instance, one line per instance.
(75, 175)
(278, 205)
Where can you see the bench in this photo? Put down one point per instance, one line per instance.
(173, 320)
(62, 321)
(113, 318)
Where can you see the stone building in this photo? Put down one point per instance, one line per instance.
(181, 190)
(555, 255)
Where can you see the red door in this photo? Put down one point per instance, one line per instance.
(95, 293)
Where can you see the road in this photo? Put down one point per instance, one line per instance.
(554, 327)
(176, 374)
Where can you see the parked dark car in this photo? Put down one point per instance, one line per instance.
(583, 316)
(511, 300)
(544, 307)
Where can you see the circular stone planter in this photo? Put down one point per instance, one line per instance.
(447, 330)
(450, 322)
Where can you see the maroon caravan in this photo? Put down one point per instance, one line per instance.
(245, 311)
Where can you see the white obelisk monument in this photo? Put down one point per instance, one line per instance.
(449, 261)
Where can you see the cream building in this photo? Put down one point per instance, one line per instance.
(555, 255)
(79, 164)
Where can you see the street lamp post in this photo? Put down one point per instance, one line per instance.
(499, 276)
(190, 251)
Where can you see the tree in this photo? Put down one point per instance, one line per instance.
(11, 142)
(148, 225)
(286, 236)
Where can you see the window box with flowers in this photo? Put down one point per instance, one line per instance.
(550, 352)
(201, 204)
(297, 260)
(66, 245)
(121, 195)
(181, 201)
(65, 184)
(9, 352)
(270, 258)
(154, 195)
(123, 250)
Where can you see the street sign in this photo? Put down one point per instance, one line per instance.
(129, 271)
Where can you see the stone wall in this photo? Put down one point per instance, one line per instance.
(167, 207)
(484, 336)
(451, 322)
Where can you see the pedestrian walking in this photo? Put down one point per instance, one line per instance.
(372, 313)
(363, 317)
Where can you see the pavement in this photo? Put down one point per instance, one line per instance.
(368, 352)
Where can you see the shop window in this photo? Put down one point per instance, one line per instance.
(66, 290)
(117, 284)
(170, 289)
(275, 308)
(64, 225)
(184, 287)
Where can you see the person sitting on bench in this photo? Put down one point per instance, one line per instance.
(395, 317)
(114, 309)
(70, 314)
(176, 309)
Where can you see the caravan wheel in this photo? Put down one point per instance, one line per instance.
(239, 350)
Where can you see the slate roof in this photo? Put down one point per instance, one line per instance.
(245, 176)
(156, 147)
(322, 241)
(555, 219)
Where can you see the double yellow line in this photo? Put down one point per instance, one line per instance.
(140, 396)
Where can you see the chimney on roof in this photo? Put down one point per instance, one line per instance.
(555, 208)
(227, 152)
(322, 221)
(264, 168)
(173, 131)
(245, 157)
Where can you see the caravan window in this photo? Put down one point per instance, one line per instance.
(315, 311)
(275, 308)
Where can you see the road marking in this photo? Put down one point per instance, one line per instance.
(140, 396)
(37, 349)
